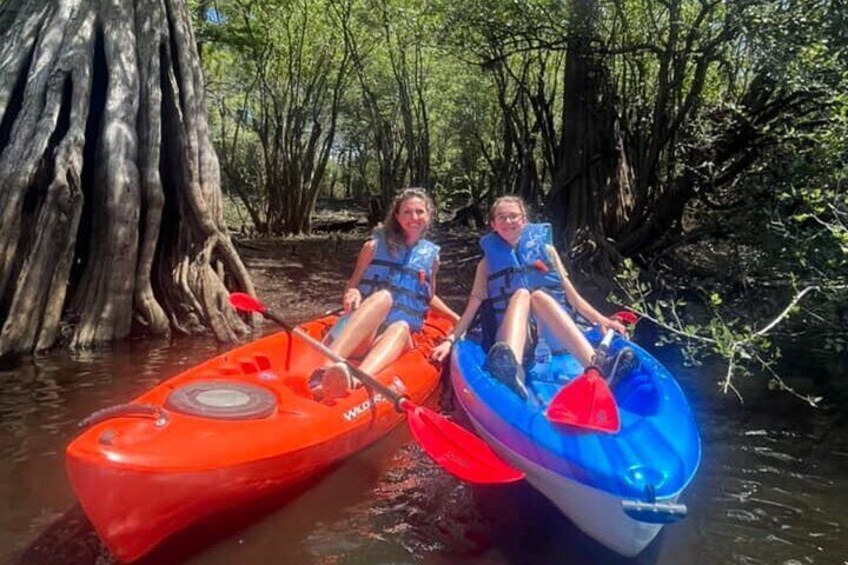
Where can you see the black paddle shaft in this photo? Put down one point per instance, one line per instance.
(397, 398)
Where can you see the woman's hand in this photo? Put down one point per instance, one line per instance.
(351, 300)
(610, 324)
(441, 351)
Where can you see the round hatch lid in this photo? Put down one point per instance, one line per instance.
(224, 400)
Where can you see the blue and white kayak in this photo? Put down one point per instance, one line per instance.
(619, 489)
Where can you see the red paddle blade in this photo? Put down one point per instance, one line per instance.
(246, 303)
(626, 317)
(458, 451)
(586, 402)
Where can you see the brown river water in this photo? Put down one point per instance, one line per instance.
(772, 487)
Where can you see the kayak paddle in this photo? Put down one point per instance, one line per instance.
(587, 401)
(454, 448)
(626, 317)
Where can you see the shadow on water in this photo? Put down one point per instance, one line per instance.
(70, 540)
(772, 488)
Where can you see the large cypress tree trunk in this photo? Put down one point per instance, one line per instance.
(110, 197)
(591, 191)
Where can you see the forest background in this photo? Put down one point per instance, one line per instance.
(695, 150)
(693, 153)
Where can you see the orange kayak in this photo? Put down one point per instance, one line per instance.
(230, 431)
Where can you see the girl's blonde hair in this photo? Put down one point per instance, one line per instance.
(508, 199)
(392, 230)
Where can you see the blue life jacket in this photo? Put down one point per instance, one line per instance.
(527, 265)
(406, 274)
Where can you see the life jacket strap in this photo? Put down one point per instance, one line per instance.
(399, 267)
(376, 284)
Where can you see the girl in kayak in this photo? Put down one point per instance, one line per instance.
(521, 274)
(388, 295)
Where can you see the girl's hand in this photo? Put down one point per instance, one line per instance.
(441, 351)
(610, 324)
(351, 300)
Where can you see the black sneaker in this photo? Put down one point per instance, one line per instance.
(625, 363)
(602, 361)
(615, 367)
(503, 366)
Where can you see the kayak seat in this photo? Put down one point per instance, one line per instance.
(639, 394)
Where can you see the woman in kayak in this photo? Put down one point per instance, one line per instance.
(521, 274)
(388, 295)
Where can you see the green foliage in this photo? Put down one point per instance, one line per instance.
(275, 73)
(731, 116)
(480, 72)
(747, 351)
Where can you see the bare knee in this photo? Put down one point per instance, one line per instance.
(539, 298)
(400, 328)
(542, 303)
(383, 298)
(520, 295)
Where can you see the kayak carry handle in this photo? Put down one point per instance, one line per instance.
(653, 512)
(126, 410)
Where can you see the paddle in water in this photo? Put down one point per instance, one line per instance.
(587, 402)
(454, 448)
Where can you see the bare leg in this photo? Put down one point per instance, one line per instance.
(503, 361)
(363, 324)
(333, 379)
(394, 340)
(337, 381)
(550, 313)
(513, 328)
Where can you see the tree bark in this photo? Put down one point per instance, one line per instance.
(110, 198)
(591, 189)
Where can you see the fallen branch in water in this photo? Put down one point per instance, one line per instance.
(739, 346)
